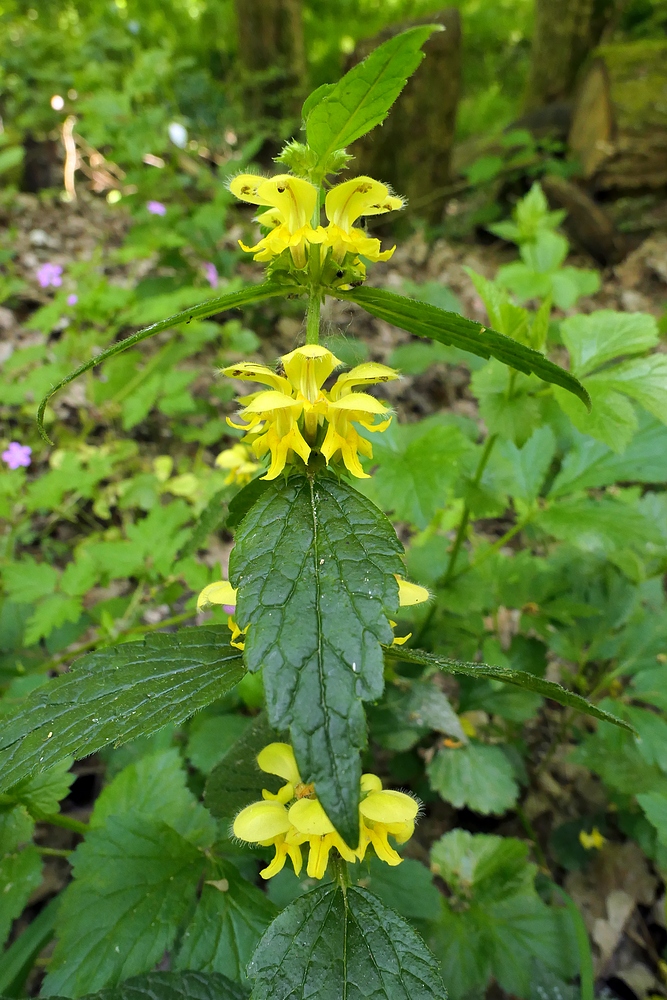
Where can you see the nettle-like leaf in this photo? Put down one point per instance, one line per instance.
(222, 303)
(494, 923)
(117, 694)
(336, 116)
(521, 678)
(173, 986)
(332, 944)
(20, 866)
(477, 776)
(42, 793)
(314, 564)
(237, 780)
(230, 918)
(134, 882)
(449, 328)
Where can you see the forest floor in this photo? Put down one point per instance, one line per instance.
(620, 877)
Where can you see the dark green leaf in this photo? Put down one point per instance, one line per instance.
(521, 678)
(134, 881)
(449, 328)
(117, 694)
(237, 781)
(19, 958)
(246, 296)
(174, 986)
(363, 97)
(330, 945)
(42, 793)
(314, 564)
(230, 918)
(20, 875)
(244, 500)
(477, 776)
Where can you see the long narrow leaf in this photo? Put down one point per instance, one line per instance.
(246, 296)
(449, 328)
(520, 678)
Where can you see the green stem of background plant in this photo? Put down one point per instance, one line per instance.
(313, 317)
(465, 517)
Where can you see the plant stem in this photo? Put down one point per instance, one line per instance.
(339, 871)
(496, 547)
(53, 852)
(313, 317)
(58, 819)
(465, 517)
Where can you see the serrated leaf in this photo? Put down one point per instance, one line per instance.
(331, 945)
(173, 986)
(211, 737)
(42, 793)
(19, 957)
(314, 564)
(521, 678)
(406, 888)
(134, 881)
(230, 918)
(362, 98)
(523, 470)
(477, 776)
(643, 379)
(117, 694)
(20, 875)
(591, 463)
(415, 469)
(494, 923)
(155, 785)
(449, 328)
(601, 525)
(600, 336)
(237, 780)
(612, 418)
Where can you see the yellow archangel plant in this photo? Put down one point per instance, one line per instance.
(294, 817)
(222, 593)
(292, 216)
(288, 418)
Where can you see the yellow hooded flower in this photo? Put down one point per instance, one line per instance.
(384, 812)
(273, 821)
(222, 592)
(344, 204)
(409, 594)
(360, 408)
(292, 202)
(237, 462)
(287, 416)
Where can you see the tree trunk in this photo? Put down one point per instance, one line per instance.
(619, 125)
(271, 55)
(564, 34)
(412, 149)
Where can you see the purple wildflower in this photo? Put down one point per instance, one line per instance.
(49, 275)
(211, 272)
(156, 208)
(17, 455)
(72, 299)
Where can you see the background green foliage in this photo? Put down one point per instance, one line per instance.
(541, 535)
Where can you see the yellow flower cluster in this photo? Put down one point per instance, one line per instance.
(221, 592)
(295, 817)
(287, 417)
(237, 462)
(293, 215)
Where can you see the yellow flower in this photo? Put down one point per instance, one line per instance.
(355, 407)
(382, 813)
(344, 204)
(292, 203)
(237, 461)
(409, 594)
(222, 592)
(287, 416)
(592, 840)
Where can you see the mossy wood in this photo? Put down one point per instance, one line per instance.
(619, 126)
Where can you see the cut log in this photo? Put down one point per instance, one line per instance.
(619, 125)
(412, 149)
(587, 224)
